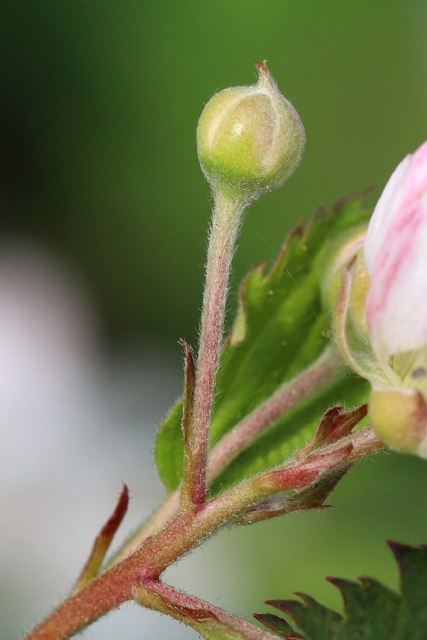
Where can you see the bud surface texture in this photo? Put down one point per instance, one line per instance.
(250, 138)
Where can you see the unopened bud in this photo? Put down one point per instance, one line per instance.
(250, 138)
(399, 418)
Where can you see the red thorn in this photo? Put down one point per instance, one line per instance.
(113, 523)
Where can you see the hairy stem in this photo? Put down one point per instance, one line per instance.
(326, 370)
(208, 620)
(158, 521)
(157, 552)
(188, 529)
(225, 227)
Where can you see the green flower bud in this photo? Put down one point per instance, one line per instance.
(250, 139)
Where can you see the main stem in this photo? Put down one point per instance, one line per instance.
(119, 584)
(126, 580)
(225, 227)
(326, 370)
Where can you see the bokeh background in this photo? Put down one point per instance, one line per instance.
(102, 236)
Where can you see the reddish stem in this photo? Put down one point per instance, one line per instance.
(200, 615)
(118, 584)
(224, 230)
(326, 370)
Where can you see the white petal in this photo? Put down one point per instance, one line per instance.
(396, 257)
(387, 207)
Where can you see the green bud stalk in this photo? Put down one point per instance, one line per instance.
(249, 141)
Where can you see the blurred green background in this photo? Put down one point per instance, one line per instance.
(99, 104)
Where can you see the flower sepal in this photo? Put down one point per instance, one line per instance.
(338, 255)
(349, 285)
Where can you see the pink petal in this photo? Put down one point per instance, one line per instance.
(396, 259)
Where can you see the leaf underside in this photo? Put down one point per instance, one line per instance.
(371, 610)
(280, 329)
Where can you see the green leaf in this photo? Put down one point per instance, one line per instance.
(275, 623)
(170, 448)
(289, 433)
(280, 329)
(371, 610)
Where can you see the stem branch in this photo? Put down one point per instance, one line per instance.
(200, 615)
(326, 370)
(187, 530)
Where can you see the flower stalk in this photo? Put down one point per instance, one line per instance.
(224, 230)
(250, 140)
(327, 369)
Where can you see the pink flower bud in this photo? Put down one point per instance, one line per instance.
(396, 260)
(396, 306)
(380, 313)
